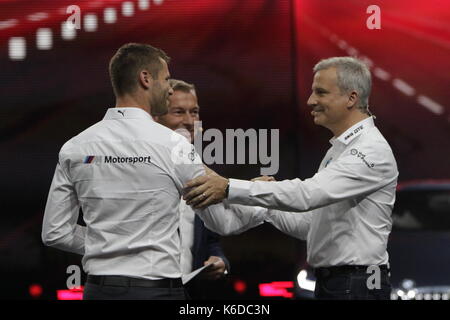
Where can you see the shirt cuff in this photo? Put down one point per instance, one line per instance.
(239, 191)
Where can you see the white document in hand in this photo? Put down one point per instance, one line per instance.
(188, 277)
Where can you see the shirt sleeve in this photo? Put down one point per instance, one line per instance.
(226, 219)
(186, 162)
(220, 218)
(355, 173)
(60, 228)
(215, 248)
(295, 225)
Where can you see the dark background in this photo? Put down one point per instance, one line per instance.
(251, 62)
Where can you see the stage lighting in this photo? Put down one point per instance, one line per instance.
(68, 32)
(128, 9)
(17, 48)
(110, 15)
(44, 39)
(90, 22)
(143, 4)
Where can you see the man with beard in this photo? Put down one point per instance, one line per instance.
(345, 208)
(126, 173)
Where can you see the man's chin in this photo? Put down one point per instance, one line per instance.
(188, 137)
(185, 133)
(318, 120)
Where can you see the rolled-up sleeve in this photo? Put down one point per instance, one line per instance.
(59, 228)
(348, 177)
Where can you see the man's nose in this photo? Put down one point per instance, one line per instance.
(170, 91)
(188, 119)
(312, 101)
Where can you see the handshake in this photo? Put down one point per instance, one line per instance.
(209, 189)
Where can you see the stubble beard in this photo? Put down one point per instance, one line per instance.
(160, 105)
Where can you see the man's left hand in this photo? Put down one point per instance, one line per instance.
(215, 271)
(206, 190)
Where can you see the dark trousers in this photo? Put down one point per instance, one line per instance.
(108, 292)
(351, 285)
(200, 289)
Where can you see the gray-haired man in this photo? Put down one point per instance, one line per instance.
(346, 206)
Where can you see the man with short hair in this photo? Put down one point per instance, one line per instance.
(346, 206)
(199, 246)
(127, 173)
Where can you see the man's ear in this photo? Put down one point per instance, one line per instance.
(145, 79)
(352, 99)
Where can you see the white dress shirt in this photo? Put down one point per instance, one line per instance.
(223, 219)
(345, 207)
(187, 229)
(126, 172)
(230, 219)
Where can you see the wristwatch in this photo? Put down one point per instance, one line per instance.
(227, 189)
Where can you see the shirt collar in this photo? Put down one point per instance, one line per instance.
(354, 131)
(126, 113)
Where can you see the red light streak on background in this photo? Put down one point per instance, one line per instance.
(71, 294)
(240, 286)
(276, 289)
(35, 290)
